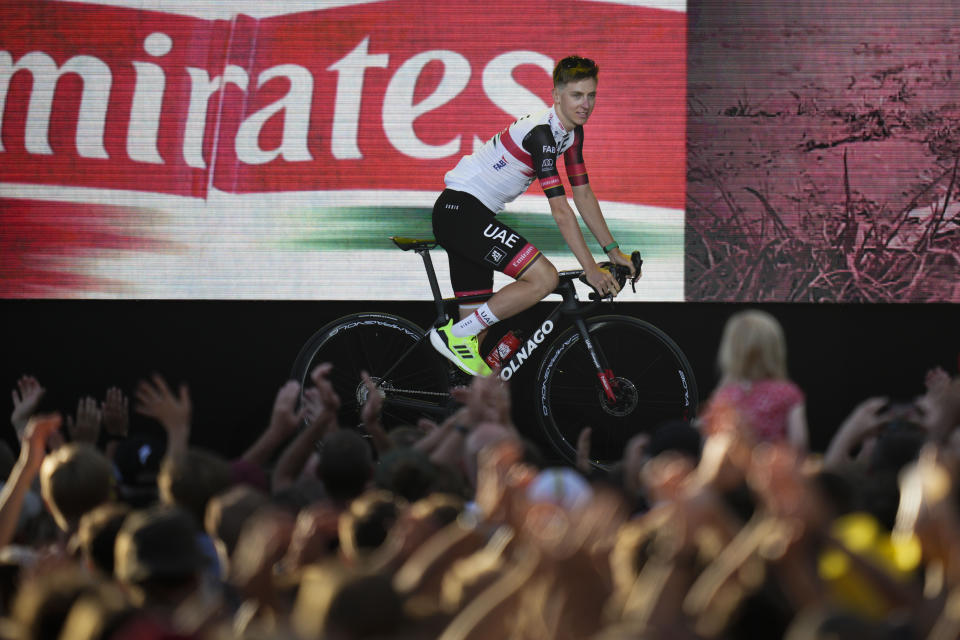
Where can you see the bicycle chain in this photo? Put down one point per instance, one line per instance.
(423, 393)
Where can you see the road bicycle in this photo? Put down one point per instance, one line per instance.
(615, 373)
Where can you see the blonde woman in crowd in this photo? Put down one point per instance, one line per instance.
(754, 393)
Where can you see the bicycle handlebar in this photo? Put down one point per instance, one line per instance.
(620, 273)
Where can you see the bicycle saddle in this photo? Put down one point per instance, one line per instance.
(412, 243)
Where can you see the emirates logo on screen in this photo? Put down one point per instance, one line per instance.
(328, 99)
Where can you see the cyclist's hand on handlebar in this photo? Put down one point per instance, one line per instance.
(619, 257)
(602, 280)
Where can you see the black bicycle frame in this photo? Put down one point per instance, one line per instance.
(570, 305)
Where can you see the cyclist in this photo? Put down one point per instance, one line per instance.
(465, 224)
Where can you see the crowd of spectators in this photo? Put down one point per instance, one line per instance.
(727, 527)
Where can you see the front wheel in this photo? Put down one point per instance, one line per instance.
(412, 377)
(651, 378)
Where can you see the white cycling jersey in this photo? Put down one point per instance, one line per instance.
(507, 163)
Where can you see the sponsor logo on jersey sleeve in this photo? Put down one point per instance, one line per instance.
(495, 256)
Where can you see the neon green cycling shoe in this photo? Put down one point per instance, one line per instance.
(463, 352)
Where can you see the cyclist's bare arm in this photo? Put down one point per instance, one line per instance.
(589, 208)
(602, 281)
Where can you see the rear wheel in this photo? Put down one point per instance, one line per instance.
(652, 382)
(413, 378)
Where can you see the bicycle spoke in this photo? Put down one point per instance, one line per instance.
(648, 386)
(377, 343)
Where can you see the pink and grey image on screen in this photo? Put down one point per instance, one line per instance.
(822, 148)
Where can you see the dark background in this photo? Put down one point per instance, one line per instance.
(235, 355)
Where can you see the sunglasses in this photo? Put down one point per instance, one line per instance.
(576, 62)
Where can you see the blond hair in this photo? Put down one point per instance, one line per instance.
(752, 348)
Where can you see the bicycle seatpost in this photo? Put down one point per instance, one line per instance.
(434, 285)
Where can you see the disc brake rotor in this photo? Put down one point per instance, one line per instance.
(627, 398)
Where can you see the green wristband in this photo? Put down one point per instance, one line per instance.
(610, 247)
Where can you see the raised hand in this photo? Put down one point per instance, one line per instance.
(315, 528)
(487, 399)
(26, 397)
(85, 427)
(321, 402)
(370, 414)
(156, 400)
(940, 405)
(285, 419)
(862, 422)
(36, 435)
(116, 413)
(373, 407)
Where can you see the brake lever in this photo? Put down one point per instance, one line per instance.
(637, 261)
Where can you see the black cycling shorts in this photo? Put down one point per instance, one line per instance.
(477, 244)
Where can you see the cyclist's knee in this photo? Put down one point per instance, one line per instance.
(543, 276)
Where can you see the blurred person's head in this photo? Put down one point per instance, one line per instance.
(336, 603)
(753, 347)
(898, 443)
(228, 511)
(189, 481)
(423, 519)
(365, 524)
(408, 473)
(43, 602)
(97, 534)
(101, 615)
(346, 465)
(157, 556)
(349, 615)
(560, 486)
(404, 436)
(73, 480)
(678, 436)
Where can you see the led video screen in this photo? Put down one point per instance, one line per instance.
(823, 141)
(202, 150)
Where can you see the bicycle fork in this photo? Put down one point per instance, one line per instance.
(604, 373)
